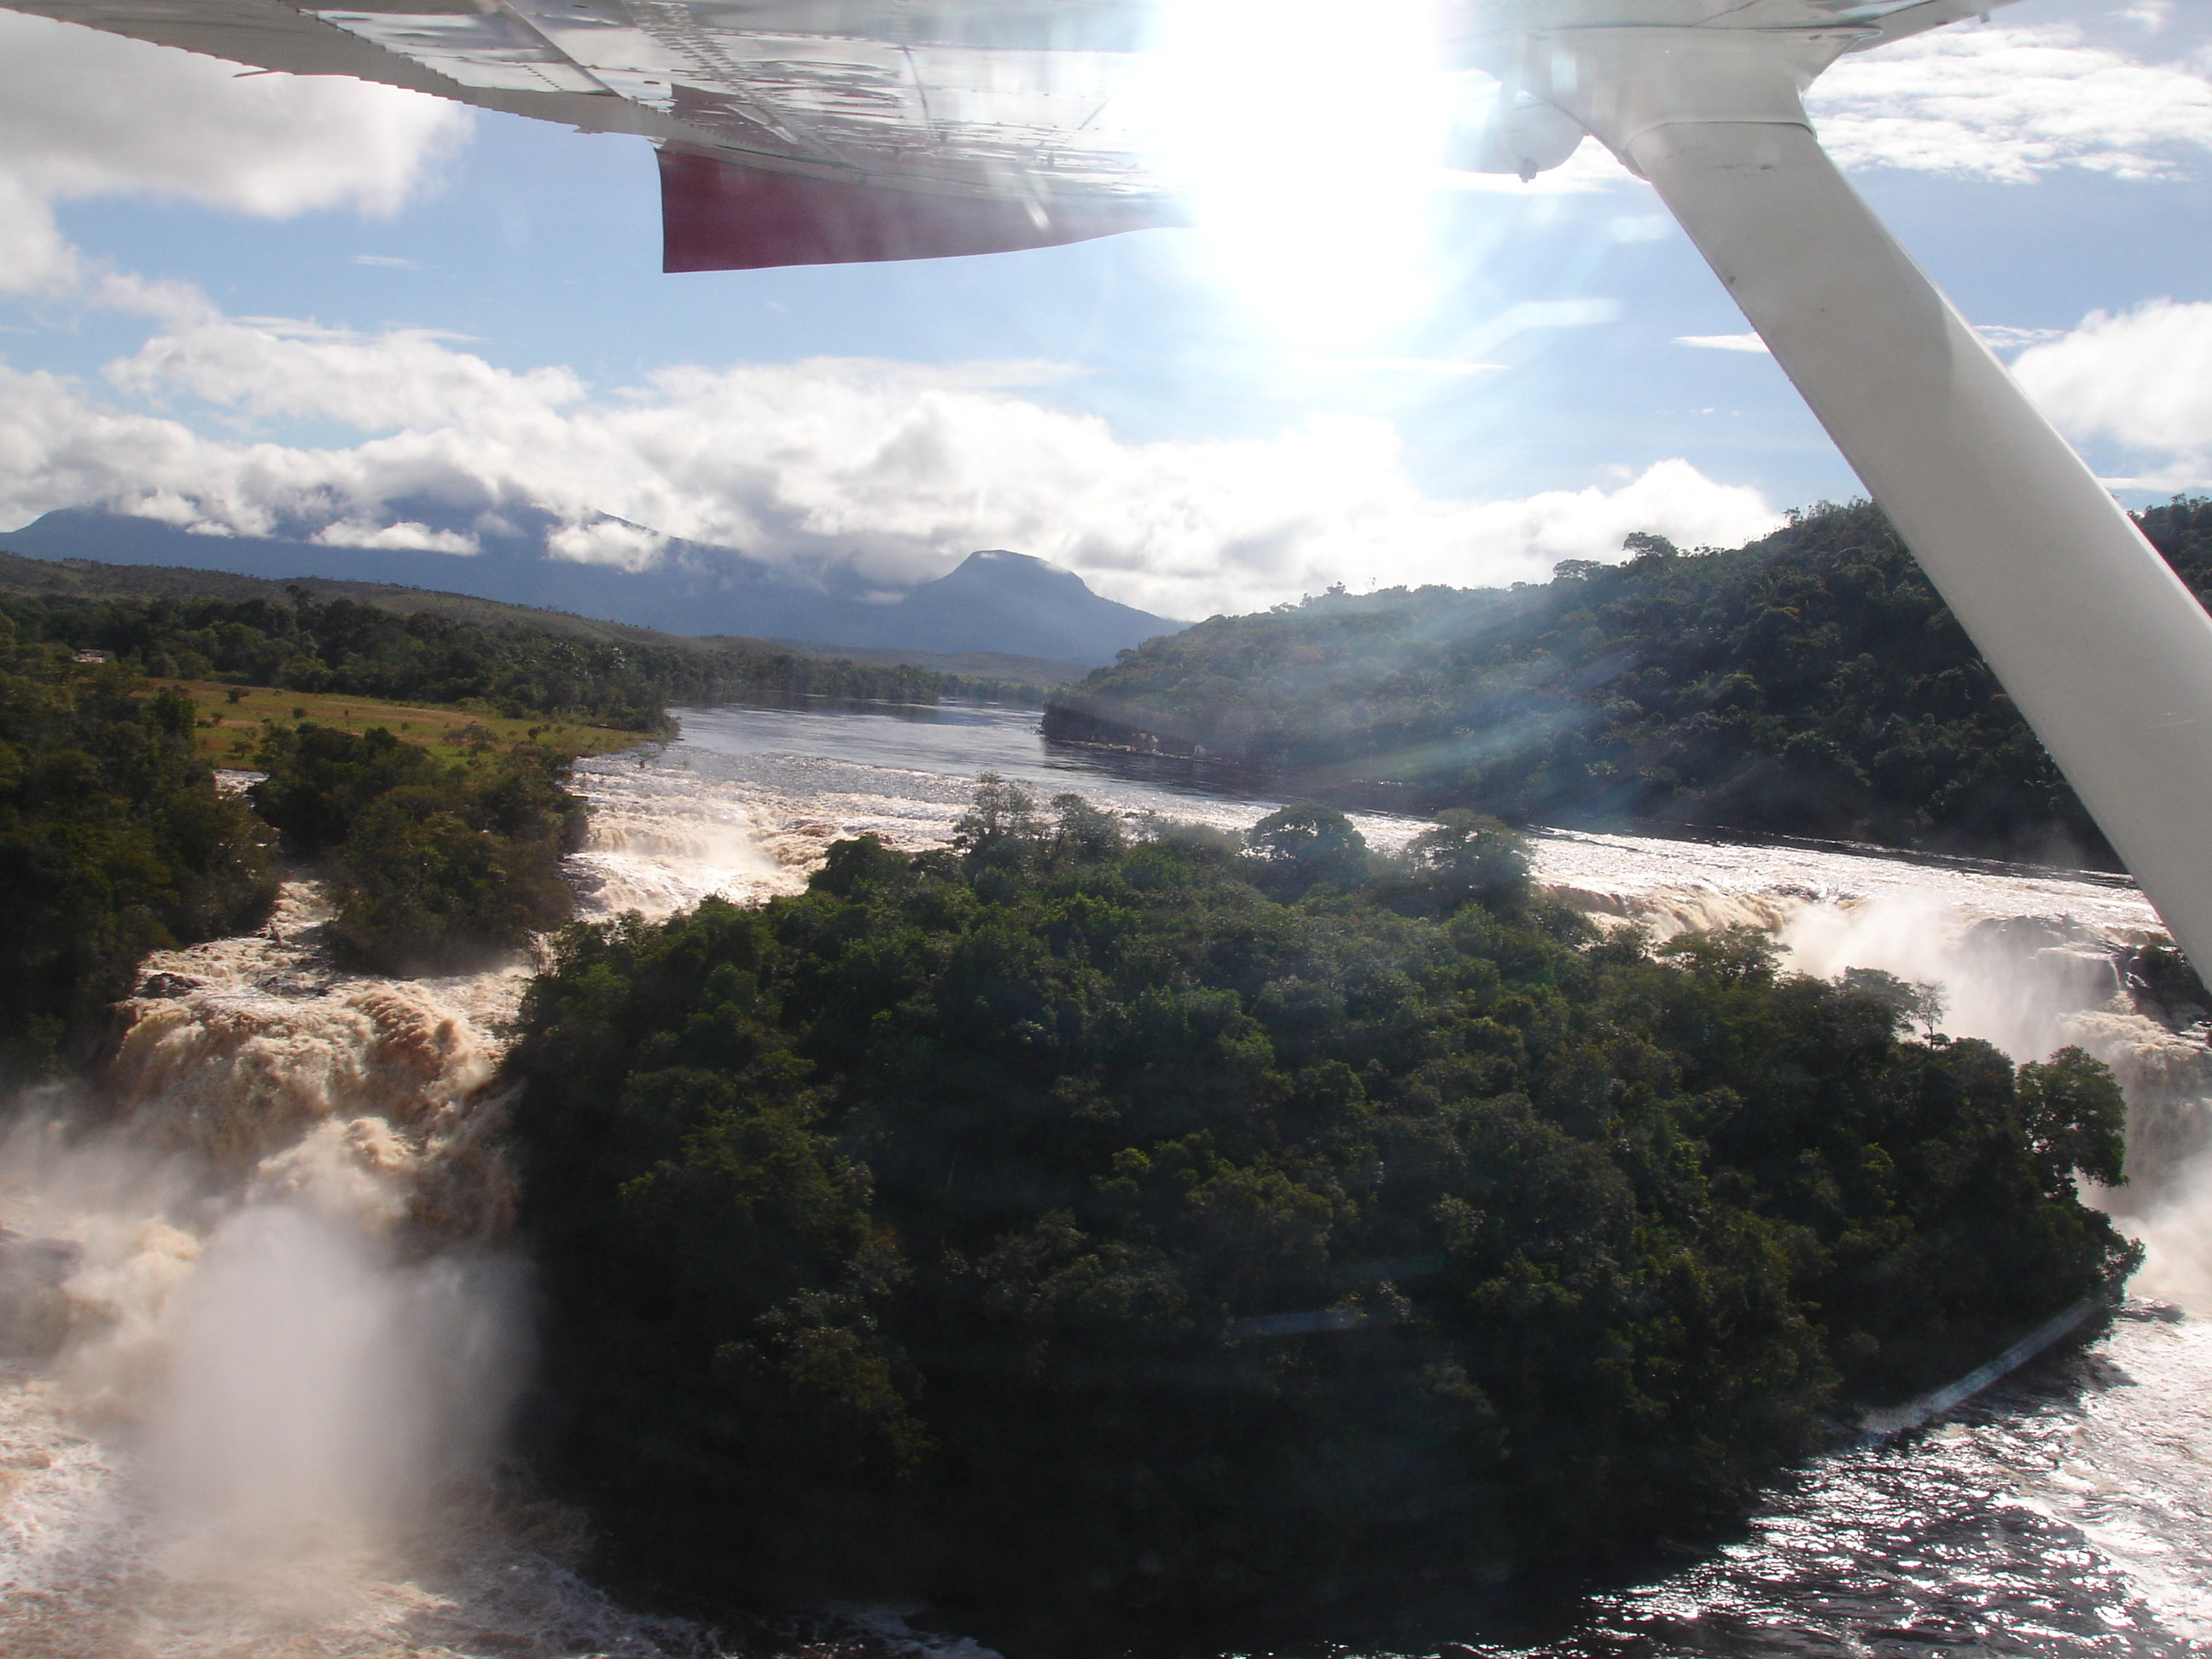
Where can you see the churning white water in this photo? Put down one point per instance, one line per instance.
(261, 1321)
(261, 1329)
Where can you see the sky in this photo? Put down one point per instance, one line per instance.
(247, 304)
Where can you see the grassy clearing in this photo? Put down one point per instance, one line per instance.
(230, 720)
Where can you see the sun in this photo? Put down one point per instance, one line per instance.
(1309, 140)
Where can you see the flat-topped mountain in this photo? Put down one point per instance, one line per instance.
(994, 596)
(1007, 604)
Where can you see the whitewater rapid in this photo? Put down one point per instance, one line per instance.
(262, 1326)
(263, 1320)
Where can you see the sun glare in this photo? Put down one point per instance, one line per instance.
(1309, 141)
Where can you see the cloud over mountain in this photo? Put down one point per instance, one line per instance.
(893, 471)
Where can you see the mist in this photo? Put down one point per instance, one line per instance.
(263, 1323)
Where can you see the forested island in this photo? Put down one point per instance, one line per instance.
(1095, 1233)
(1809, 683)
(114, 841)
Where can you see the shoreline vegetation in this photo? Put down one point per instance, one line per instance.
(1809, 684)
(113, 842)
(516, 671)
(1100, 1231)
(420, 757)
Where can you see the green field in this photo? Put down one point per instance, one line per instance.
(231, 719)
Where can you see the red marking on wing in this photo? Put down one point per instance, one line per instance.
(719, 215)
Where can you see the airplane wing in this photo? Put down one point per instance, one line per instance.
(823, 131)
(790, 131)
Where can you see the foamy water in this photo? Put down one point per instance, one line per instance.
(261, 1321)
(263, 1328)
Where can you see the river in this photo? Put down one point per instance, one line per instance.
(262, 1319)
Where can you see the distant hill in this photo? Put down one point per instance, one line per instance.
(1001, 603)
(1040, 671)
(403, 646)
(93, 578)
(89, 578)
(1809, 683)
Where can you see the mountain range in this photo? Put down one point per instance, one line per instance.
(995, 601)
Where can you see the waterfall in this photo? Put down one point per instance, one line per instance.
(264, 1324)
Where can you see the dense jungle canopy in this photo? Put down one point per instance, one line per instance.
(1809, 683)
(113, 842)
(1075, 1226)
(365, 651)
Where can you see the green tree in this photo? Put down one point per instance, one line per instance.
(1308, 845)
(1810, 682)
(2075, 1119)
(435, 866)
(1467, 858)
(113, 842)
(1001, 825)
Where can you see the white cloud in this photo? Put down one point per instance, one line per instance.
(84, 114)
(608, 541)
(278, 367)
(33, 254)
(894, 470)
(1722, 342)
(406, 535)
(2141, 379)
(2011, 104)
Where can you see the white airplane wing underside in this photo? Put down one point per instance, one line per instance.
(808, 131)
(790, 132)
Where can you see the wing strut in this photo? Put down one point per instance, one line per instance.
(2101, 646)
